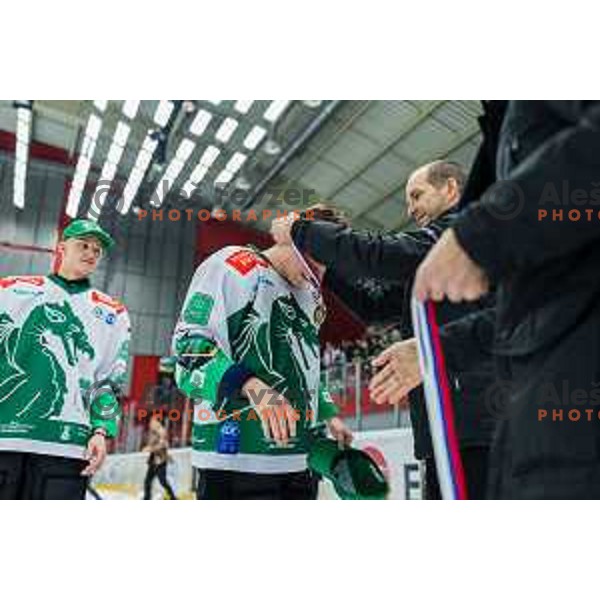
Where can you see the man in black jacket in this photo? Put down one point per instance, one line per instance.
(373, 274)
(469, 341)
(535, 236)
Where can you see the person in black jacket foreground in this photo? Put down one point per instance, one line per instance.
(535, 235)
(373, 274)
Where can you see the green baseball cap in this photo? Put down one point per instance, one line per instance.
(84, 227)
(353, 473)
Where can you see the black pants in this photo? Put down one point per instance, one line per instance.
(159, 471)
(26, 476)
(475, 464)
(234, 485)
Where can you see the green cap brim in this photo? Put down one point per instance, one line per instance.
(81, 228)
(353, 473)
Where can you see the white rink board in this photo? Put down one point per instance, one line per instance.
(122, 475)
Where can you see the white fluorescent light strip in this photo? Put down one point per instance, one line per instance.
(21, 151)
(114, 154)
(93, 127)
(198, 174)
(275, 110)
(208, 158)
(109, 170)
(137, 173)
(149, 144)
(200, 122)
(130, 108)
(243, 106)
(121, 134)
(20, 170)
(189, 188)
(233, 166)
(235, 162)
(184, 151)
(21, 155)
(163, 112)
(83, 164)
(224, 176)
(254, 138)
(186, 147)
(226, 130)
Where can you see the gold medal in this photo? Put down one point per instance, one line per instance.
(320, 314)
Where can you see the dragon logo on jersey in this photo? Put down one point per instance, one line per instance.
(33, 383)
(283, 347)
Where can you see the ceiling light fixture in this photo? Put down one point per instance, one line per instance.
(255, 137)
(88, 146)
(163, 112)
(24, 116)
(200, 122)
(226, 130)
(173, 170)
(275, 110)
(130, 108)
(243, 106)
(109, 169)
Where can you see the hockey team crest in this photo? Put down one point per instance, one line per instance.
(280, 346)
(33, 383)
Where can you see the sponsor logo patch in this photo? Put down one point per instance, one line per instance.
(244, 261)
(100, 298)
(199, 309)
(7, 282)
(105, 315)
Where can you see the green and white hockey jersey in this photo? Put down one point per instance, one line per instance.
(63, 345)
(240, 313)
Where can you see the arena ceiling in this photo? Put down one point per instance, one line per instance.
(354, 154)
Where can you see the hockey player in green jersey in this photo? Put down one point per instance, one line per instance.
(63, 354)
(248, 353)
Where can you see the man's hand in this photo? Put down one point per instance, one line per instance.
(281, 230)
(399, 373)
(288, 269)
(95, 454)
(277, 416)
(340, 431)
(448, 272)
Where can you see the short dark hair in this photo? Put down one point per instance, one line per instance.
(440, 171)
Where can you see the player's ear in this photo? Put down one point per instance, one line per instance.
(453, 190)
(59, 254)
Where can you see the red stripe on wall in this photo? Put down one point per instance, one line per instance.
(37, 150)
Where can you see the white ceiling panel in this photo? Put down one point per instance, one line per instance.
(323, 177)
(356, 196)
(352, 151)
(388, 171)
(426, 142)
(385, 120)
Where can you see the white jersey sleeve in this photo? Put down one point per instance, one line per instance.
(217, 290)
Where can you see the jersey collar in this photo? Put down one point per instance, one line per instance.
(72, 287)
